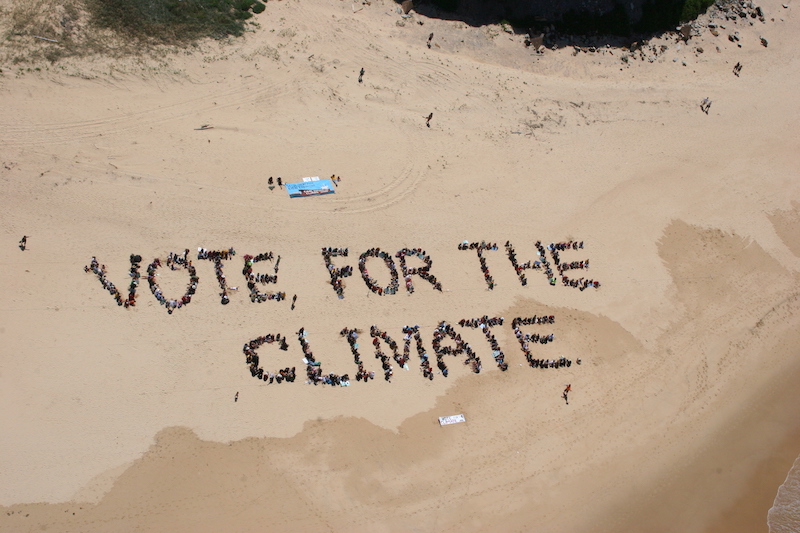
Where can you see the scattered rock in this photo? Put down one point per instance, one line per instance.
(686, 32)
(764, 42)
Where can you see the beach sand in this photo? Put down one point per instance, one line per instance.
(683, 412)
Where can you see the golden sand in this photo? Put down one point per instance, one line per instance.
(682, 415)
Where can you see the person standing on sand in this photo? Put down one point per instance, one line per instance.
(428, 120)
(23, 242)
(567, 390)
(236, 398)
(361, 76)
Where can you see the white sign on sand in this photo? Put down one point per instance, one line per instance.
(453, 419)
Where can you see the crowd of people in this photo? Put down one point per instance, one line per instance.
(337, 274)
(544, 263)
(485, 324)
(252, 279)
(314, 368)
(412, 332)
(100, 270)
(479, 248)
(250, 352)
(371, 282)
(213, 255)
(442, 333)
(520, 268)
(174, 262)
(581, 283)
(444, 330)
(423, 272)
(402, 360)
(352, 337)
(217, 256)
(526, 339)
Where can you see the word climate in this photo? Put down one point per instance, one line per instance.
(446, 343)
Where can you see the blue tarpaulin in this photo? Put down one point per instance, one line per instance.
(310, 188)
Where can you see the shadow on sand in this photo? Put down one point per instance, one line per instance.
(563, 23)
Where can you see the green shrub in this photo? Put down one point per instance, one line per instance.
(665, 15)
(694, 8)
(174, 20)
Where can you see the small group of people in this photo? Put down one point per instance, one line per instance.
(337, 274)
(100, 270)
(561, 246)
(581, 283)
(271, 182)
(402, 360)
(412, 332)
(485, 324)
(444, 330)
(174, 262)
(214, 255)
(534, 320)
(555, 248)
(314, 368)
(372, 283)
(423, 271)
(250, 351)
(252, 279)
(217, 256)
(524, 339)
(573, 265)
(543, 263)
(480, 247)
(352, 336)
(520, 268)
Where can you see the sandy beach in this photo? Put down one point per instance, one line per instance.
(682, 414)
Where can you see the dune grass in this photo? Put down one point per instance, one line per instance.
(174, 21)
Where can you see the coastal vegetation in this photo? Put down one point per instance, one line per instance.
(174, 21)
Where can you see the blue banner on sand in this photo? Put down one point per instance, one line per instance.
(310, 188)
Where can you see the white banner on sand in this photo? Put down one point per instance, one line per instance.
(453, 419)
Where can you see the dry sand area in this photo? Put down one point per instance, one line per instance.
(683, 414)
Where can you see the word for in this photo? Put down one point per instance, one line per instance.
(422, 271)
(446, 342)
